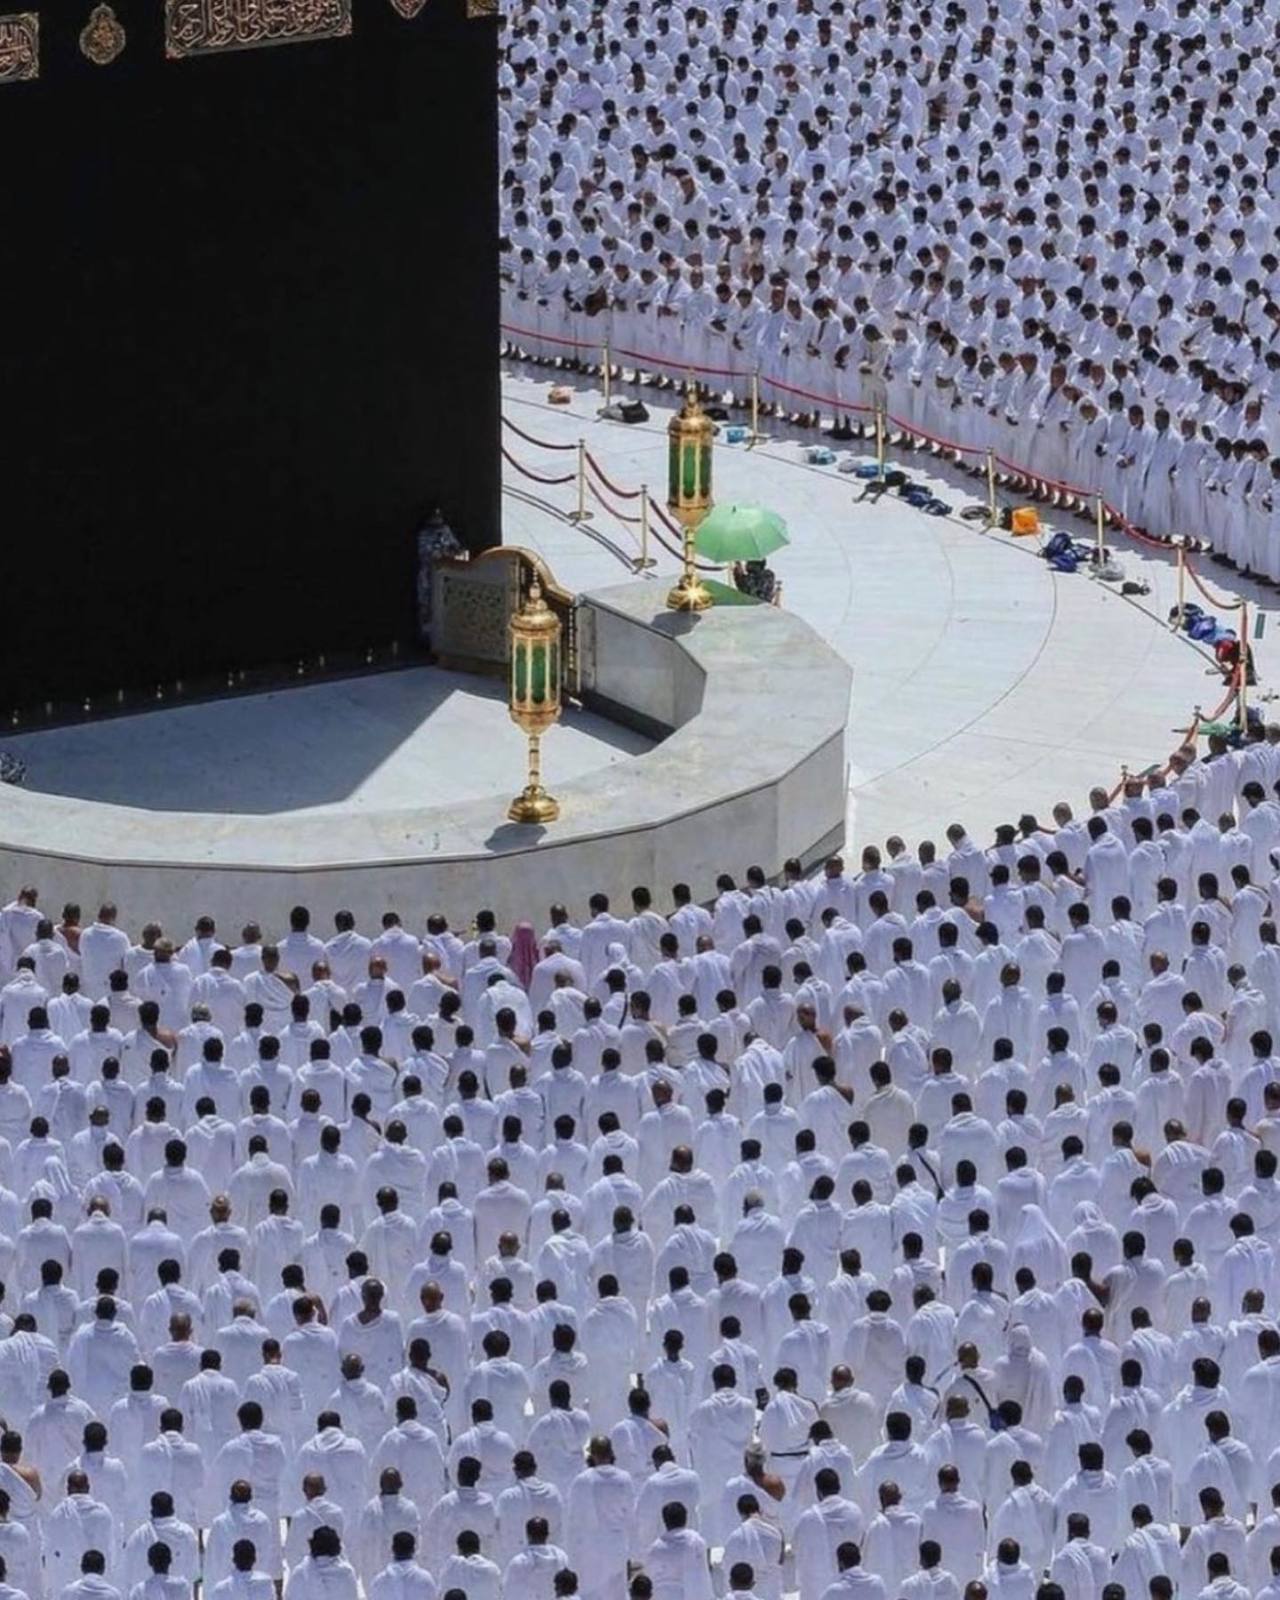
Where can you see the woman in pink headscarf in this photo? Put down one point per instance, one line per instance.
(524, 952)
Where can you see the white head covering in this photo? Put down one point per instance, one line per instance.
(1039, 1247)
(1023, 1374)
(1092, 1232)
(55, 1185)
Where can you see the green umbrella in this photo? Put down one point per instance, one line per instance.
(740, 533)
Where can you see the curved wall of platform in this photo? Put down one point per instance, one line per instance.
(751, 769)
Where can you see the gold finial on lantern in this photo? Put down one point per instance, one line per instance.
(689, 436)
(535, 696)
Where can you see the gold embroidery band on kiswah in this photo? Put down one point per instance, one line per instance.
(199, 27)
(19, 47)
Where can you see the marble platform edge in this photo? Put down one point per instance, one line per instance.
(715, 775)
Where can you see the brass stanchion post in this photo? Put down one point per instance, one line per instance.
(1242, 703)
(1100, 518)
(606, 369)
(1182, 584)
(993, 515)
(645, 560)
(756, 435)
(581, 514)
(880, 438)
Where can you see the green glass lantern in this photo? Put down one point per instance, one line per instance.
(689, 436)
(534, 632)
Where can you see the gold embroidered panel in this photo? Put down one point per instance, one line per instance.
(19, 47)
(102, 38)
(198, 27)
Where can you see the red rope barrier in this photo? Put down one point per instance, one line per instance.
(612, 510)
(1232, 691)
(659, 364)
(651, 362)
(674, 550)
(838, 407)
(1131, 529)
(1038, 477)
(934, 438)
(537, 477)
(1199, 718)
(543, 444)
(547, 338)
(1234, 678)
(841, 406)
(1214, 600)
(659, 512)
(655, 510)
(625, 494)
(569, 477)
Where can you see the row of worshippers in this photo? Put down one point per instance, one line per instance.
(929, 208)
(509, 1277)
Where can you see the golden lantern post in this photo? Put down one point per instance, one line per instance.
(534, 632)
(689, 436)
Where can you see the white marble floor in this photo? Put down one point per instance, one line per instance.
(985, 684)
(414, 737)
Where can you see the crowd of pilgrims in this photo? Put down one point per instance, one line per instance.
(1051, 227)
(890, 1233)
